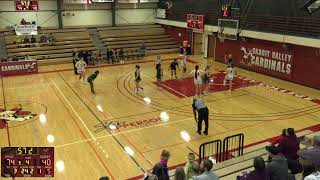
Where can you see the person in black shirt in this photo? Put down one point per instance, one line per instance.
(121, 56)
(90, 80)
(173, 66)
(137, 79)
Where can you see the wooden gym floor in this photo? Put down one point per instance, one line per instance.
(90, 150)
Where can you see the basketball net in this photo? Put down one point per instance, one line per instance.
(221, 37)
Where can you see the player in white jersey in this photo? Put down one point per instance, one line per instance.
(81, 69)
(229, 76)
(197, 80)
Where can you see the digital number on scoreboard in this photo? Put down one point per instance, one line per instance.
(27, 162)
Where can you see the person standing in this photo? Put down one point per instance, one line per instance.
(81, 69)
(173, 67)
(90, 80)
(137, 80)
(75, 59)
(184, 65)
(121, 55)
(229, 76)
(203, 115)
(278, 165)
(197, 80)
(207, 165)
(165, 155)
(159, 73)
(206, 80)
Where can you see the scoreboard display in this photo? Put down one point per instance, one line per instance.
(195, 21)
(27, 5)
(27, 162)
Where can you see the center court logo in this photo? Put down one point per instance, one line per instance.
(15, 114)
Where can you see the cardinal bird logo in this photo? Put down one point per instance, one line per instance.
(247, 56)
(15, 114)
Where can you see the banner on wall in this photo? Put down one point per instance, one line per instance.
(26, 30)
(18, 67)
(161, 13)
(195, 21)
(269, 61)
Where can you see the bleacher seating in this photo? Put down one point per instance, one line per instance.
(66, 41)
(131, 37)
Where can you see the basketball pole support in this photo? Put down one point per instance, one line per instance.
(59, 2)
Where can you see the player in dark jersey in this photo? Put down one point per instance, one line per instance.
(90, 80)
(173, 67)
(137, 79)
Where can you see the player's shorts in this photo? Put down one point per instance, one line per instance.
(229, 77)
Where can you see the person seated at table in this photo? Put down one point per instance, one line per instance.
(23, 22)
(43, 39)
(51, 39)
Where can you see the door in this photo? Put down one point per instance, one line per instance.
(211, 41)
(197, 43)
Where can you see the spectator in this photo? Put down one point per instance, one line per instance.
(23, 22)
(33, 39)
(43, 39)
(75, 59)
(311, 156)
(81, 54)
(51, 39)
(27, 57)
(283, 135)
(143, 49)
(86, 56)
(260, 171)
(159, 171)
(111, 56)
(181, 50)
(26, 40)
(277, 166)
(151, 177)
(290, 145)
(121, 56)
(190, 167)
(165, 155)
(188, 49)
(158, 60)
(206, 165)
(15, 58)
(179, 174)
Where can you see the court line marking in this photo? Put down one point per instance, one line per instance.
(177, 92)
(123, 132)
(165, 86)
(64, 97)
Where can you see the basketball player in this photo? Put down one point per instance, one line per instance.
(81, 69)
(229, 76)
(184, 65)
(203, 115)
(159, 73)
(206, 80)
(90, 80)
(158, 60)
(228, 59)
(197, 80)
(173, 66)
(137, 80)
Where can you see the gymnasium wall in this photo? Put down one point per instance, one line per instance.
(45, 18)
(305, 64)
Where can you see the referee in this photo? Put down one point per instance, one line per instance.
(203, 114)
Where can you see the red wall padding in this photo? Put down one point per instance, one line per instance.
(306, 64)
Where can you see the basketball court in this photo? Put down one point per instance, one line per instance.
(121, 134)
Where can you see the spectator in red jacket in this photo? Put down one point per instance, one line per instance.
(280, 138)
(290, 145)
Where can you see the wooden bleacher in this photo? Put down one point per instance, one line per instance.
(130, 38)
(66, 41)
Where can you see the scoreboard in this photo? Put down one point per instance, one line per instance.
(27, 5)
(27, 162)
(195, 21)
